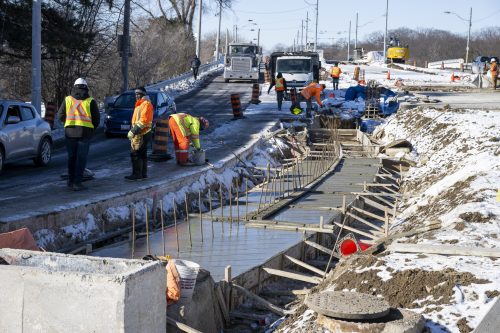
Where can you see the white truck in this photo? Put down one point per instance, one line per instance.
(242, 62)
(298, 68)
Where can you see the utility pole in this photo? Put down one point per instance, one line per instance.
(125, 44)
(349, 42)
(307, 27)
(356, 34)
(199, 31)
(36, 58)
(217, 44)
(298, 47)
(385, 35)
(316, 34)
(258, 39)
(302, 36)
(293, 45)
(468, 39)
(236, 39)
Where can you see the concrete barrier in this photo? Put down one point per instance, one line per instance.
(52, 292)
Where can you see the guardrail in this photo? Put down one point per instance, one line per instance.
(162, 85)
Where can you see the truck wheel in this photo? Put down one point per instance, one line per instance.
(44, 152)
(226, 80)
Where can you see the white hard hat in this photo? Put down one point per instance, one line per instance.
(80, 81)
(493, 60)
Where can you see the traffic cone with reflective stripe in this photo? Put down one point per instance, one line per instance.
(452, 76)
(388, 75)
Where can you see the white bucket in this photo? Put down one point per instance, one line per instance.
(188, 271)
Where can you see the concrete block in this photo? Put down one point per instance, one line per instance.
(53, 292)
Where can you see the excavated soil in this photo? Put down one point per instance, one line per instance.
(405, 287)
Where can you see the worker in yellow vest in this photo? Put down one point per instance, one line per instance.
(335, 73)
(80, 115)
(185, 130)
(280, 87)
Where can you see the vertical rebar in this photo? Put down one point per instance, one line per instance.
(221, 208)
(162, 227)
(133, 231)
(238, 200)
(231, 205)
(175, 224)
(210, 207)
(147, 228)
(201, 215)
(188, 221)
(246, 201)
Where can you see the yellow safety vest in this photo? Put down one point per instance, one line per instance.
(335, 72)
(78, 112)
(279, 84)
(189, 126)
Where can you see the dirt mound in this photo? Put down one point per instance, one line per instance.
(409, 288)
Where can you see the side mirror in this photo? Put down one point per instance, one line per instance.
(111, 104)
(13, 120)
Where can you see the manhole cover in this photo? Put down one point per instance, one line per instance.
(348, 305)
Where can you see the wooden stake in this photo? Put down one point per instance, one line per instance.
(147, 229)
(162, 227)
(201, 215)
(238, 200)
(221, 208)
(175, 224)
(231, 205)
(133, 231)
(210, 207)
(187, 220)
(246, 201)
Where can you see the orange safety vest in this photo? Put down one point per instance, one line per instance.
(143, 115)
(78, 112)
(494, 67)
(189, 126)
(336, 72)
(314, 89)
(279, 84)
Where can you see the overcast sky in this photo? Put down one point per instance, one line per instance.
(279, 20)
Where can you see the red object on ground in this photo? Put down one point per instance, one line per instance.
(331, 95)
(348, 247)
(18, 239)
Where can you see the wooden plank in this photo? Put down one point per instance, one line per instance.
(246, 315)
(222, 304)
(294, 276)
(305, 265)
(287, 227)
(322, 248)
(362, 220)
(289, 223)
(367, 213)
(357, 231)
(444, 249)
(376, 194)
(374, 204)
(260, 300)
(304, 207)
(181, 326)
(295, 292)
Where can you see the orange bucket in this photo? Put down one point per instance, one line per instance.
(349, 246)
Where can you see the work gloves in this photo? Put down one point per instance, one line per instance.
(130, 135)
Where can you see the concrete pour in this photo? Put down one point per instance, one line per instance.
(50, 292)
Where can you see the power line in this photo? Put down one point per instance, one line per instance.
(272, 13)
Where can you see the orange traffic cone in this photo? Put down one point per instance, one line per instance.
(452, 76)
(388, 75)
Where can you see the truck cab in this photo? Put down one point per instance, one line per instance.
(298, 68)
(242, 62)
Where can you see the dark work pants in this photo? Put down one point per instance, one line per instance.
(308, 104)
(279, 98)
(335, 83)
(78, 149)
(140, 158)
(195, 72)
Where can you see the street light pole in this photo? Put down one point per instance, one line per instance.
(199, 31)
(385, 35)
(316, 37)
(125, 45)
(356, 33)
(36, 58)
(349, 42)
(217, 44)
(468, 39)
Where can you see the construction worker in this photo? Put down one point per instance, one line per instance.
(80, 115)
(335, 73)
(279, 85)
(140, 135)
(195, 65)
(314, 89)
(494, 72)
(185, 130)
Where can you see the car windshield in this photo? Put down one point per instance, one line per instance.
(244, 49)
(293, 65)
(128, 100)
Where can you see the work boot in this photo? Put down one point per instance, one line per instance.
(133, 178)
(79, 187)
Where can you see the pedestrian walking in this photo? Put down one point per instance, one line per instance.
(140, 135)
(335, 74)
(80, 115)
(195, 65)
(280, 87)
(312, 90)
(494, 72)
(185, 130)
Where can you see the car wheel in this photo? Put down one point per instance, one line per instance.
(2, 158)
(226, 80)
(44, 152)
(108, 135)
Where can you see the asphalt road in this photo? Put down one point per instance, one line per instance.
(111, 156)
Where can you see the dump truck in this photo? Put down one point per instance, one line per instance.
(242, 62)
(298, 68)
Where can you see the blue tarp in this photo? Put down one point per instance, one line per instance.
(368, 125)
(354, 92)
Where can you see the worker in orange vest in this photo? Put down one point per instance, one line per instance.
(335, 73)
(185, 130)
(279, 85)
(494, 72)
(314, 89)
(140, 135)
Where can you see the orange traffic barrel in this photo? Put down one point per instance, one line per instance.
(255, 94)
(236, 105)
(160, 142)
(267, 77)
(50, 112)
(293, 96)
(356, 73)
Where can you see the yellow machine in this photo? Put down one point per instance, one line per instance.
(398, 54)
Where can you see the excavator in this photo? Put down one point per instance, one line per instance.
(397, 53)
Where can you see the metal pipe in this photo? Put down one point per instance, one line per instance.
(221, 207)
(201, 215)
(133, 232)
(198, 40)
(210, 207)
(246, 201)
(147, 229)
(175, 224)
(238, 200)
(188, 221)
(162, 227)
